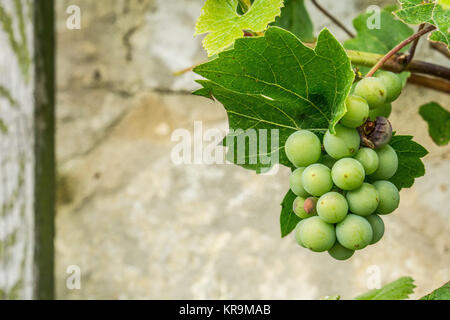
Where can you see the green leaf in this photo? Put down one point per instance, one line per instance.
(221, 20)
(410, 165)
(288, 219)
(295, 18)
(380, 41)
(277, 83)
(369, 295)
(438, 122)
(442, 293)
(433, 12)
(399, 289)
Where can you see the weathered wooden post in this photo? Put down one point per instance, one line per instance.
(27, 165)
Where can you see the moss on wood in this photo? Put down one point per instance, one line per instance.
(19, 47)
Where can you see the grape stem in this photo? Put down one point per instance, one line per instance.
(397, 48)
(441, 48)
(367, 59)
(412, 49)
(428, 82)
(332, 18)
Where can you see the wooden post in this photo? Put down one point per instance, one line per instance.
(27, 179)
(45, 164)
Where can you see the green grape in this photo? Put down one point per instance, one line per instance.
(332, 207)
(372, 90)
(303, 148)
(384, 110)
(345, 143)
(297, 234)
(354, 232)
(317, 235)
(317, 179)
(299, 210)
(297, 207)
(388, 164)
(328, 161)
(297, 184)
(348, 174)
(389, 197)
(357, 112)
(393, 84)
(369, 160)
(340, 252)
(364, 200)
(377, 225)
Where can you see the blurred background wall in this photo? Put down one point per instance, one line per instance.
(140, 227)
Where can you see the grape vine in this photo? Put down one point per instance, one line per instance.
(330, 103)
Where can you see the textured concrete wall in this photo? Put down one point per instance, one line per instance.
(139, 226)
(17, 150)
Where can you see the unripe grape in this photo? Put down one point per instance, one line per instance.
(297, 184)
(357, 112)
(354, 232)
(377, 225)
(345, 143)
(369, 160)
(348, 174)
(317, 235)
(328, 161)
(332, 207)
(393, 84)
(303, 148)
(297, 234)
(372, 90)
(317, 179)
(389, 197)
(340, 252)
(364, 200)
(388, 164)
(384, 110)
(298, 208)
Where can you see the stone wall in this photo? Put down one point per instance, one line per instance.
(141, 227)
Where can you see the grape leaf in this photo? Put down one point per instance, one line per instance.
(380, 41)
(275, 82)
(221, 20)
(399, 289)
(288, 219)
(433, 12)
(442, 293)
(410, 165)
(438, 122)
(295, 18)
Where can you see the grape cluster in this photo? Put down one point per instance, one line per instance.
(342, 185)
